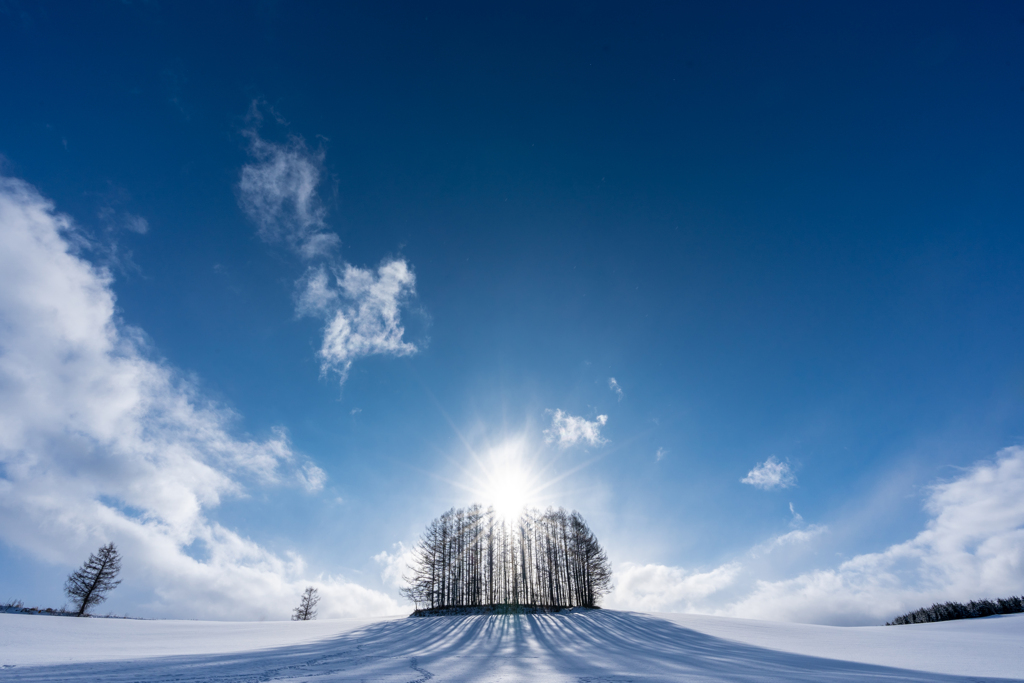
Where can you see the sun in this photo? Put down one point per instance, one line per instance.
(506, 483)
(511, 474)
(507, 491)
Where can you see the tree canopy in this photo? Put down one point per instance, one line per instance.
(473, 558)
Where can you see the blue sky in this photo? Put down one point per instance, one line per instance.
(313, 275)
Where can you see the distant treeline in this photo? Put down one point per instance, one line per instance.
(948, 611)
(473, 558)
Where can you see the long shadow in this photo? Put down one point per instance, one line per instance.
(592, 646)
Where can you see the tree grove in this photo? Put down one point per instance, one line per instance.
(473, 558)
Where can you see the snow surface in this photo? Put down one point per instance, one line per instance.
(583, 646)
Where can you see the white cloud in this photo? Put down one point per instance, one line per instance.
(317, 295)
(568, 430)
(770, 474)
(311, 477)
(661, 453)
(394, 565)
(278, 191)
(656, 587)
(972, 547)
(663, 588)
(361, 307)
(101, 442)
(362, 310)
(614, 386)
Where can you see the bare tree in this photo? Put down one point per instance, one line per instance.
(307, 608)
(473, 557)
(89, 585)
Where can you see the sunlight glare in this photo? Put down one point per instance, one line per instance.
(506, 484)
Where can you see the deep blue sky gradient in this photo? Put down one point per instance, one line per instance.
(790, 230)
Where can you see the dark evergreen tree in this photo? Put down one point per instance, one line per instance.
(89, 585)
(306, 610)
(949, 611)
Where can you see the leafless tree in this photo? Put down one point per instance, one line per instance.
(306, 610)
(471, 557)
(89, 585)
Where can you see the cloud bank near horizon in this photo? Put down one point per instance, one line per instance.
(101, 441)
(972, 547)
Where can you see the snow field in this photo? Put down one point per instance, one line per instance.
(993, 646)
(588, 646)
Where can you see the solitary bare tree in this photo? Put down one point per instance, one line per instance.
(307, 608)
(89, 585)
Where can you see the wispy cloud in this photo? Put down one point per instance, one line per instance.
(614, 386)
(362, 310)
(278, 191)
(360, 306)
(311, 477)
(106, 245)
(100, 441)
(971, 547)
(794, 537)
(568, 430)
(797, 518)
(661, 453)
(122, 220)
(770, 474)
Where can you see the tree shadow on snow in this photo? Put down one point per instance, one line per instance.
(590, 646)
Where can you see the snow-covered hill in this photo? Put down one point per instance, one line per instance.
(590, 646)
